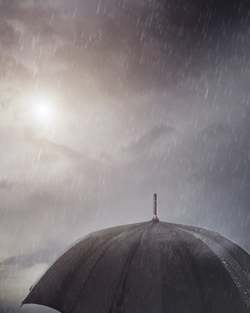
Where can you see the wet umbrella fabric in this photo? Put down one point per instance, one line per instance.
(145, 268)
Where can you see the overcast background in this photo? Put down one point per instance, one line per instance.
(104, 103)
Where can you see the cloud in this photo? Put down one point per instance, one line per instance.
(43, 255)
(123, 73)
(50, 153)
(15, 282)
(8, 36)
(12, 72)
(213, 131)
(27, 4)
(5, 185)
(18, 26)
(216, 151)
(51, 147)
(149, 139)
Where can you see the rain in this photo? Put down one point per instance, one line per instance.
(104, 103)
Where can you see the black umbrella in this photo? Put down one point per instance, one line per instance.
(145, 268)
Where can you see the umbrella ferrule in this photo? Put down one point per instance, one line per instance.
(155, 208)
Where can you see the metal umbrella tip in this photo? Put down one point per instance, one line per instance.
(155, 208)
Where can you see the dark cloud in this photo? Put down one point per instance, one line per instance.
(223, 145)
(150, 96)
(44, 255)
(8, 38)
(149, 44)
(50, 152)
(45, 144)
(6, 185)
(148, 140)
(9, 9)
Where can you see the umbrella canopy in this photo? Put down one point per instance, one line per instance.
(148, 267)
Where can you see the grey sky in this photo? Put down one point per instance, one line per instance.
(142, 97)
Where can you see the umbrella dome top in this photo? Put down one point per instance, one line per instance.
(148, 267)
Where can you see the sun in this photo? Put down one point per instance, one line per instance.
(43, 110)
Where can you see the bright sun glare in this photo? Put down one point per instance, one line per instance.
(43, 110)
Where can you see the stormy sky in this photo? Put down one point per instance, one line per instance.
(104, 103)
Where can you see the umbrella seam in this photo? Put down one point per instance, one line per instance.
(188, 232)
(210, 234)
(111, 241)
(197, 281)
(76, 242)
(229, 265)
(124, 230)
(191, 263)
(127, 264)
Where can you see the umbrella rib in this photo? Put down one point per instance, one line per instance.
(199, 237)
(118, 297)
(190, 262)
(72, 246)
(229, 247)
(111, 241)
(227, 266)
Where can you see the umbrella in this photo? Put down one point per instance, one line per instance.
(148, 267)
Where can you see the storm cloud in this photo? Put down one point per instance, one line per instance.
(102, 104)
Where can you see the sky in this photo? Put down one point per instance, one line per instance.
(104, 103)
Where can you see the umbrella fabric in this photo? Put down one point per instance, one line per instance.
(148, 267)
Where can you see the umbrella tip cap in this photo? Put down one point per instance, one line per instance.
(155, 218)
